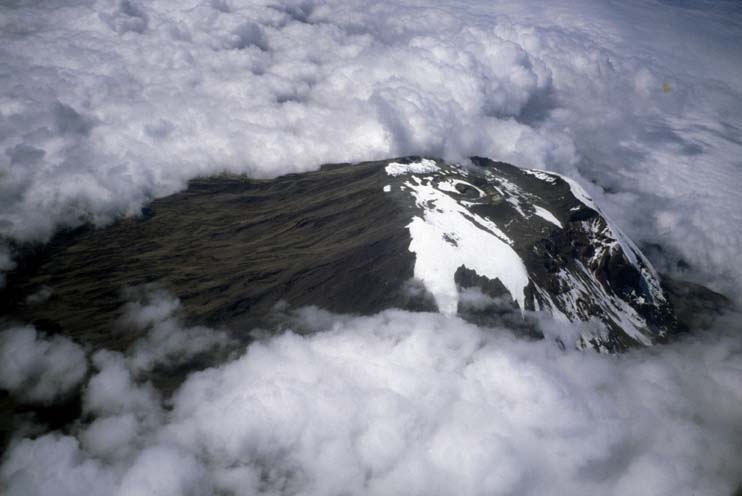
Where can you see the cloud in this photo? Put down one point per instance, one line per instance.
(407, 403)
(112, 390)
(167, 342)
(38, 368)
(125, 410)
(41, 369)
(76, 470)
(109, 104)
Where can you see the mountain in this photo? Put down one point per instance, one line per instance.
(487, 240)
(536, 238)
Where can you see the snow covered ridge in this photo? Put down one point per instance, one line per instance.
(538, 239)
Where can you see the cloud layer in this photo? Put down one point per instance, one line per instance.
(38, 368)
(153, 314)
(106, 104)
(405, 403)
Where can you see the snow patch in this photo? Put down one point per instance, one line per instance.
(548, 216)
(424, 166)
(579, 192)
(448, 236)
(544, 176)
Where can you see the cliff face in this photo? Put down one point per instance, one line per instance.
(410, 233)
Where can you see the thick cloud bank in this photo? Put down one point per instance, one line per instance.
(404, 403)
(38, 368)
(105, 104)
(166, 340)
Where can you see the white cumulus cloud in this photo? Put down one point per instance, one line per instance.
(406, 403)
(39, 368)
(167, 341)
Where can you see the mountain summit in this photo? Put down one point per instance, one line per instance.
(534, 237)
(413, 233)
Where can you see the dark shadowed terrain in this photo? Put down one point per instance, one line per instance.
(232, 248)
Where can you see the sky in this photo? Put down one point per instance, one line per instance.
(105, 105)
